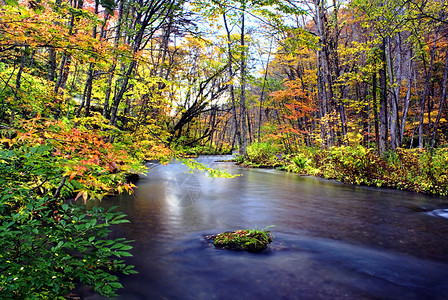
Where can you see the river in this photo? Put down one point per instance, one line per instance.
(331, 240)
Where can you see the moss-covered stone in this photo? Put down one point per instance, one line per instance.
(252, 240)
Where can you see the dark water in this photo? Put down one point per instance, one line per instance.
(331, 241)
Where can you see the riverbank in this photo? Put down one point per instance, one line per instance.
(413, 170)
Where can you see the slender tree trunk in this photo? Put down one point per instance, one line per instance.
(342, 119)
(322, 103)
(64, 67)
(165, 51)
(52, 64)
(237, 134)
(249, 126)
(393, 95)
(18, 85)
(123, 88)
(406, 101)
(127, 110)
(52, 57)
(144, 21)
(87, 94)
(425, 94)
(114, 64)
(326, 74)
(337, 71)
(375, 112)
(243, 145)
(442, 101)
(383, 100)
(90, 73)
(262, 91)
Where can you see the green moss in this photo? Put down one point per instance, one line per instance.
(252, 240)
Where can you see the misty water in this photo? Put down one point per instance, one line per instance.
(331, 240)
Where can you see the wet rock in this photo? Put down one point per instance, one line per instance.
(251, 240)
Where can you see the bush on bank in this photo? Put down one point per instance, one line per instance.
(260, 155)
(49, 245)
(415, 170)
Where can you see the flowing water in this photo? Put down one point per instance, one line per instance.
(331, 241)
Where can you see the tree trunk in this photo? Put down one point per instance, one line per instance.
(146, 16)
(322, 103)
(90, 73)
(87, 94)
(326, 75)
(425, 94)
(393, 95)
(406, 101)
(237, 134)
(52, 64)
(243, 144)
(442, 100)
(64, 67)
(18, 85)
(262, 91)
(375, 112)
(383, 100)
(114, 64)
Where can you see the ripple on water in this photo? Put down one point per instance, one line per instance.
(443, 213)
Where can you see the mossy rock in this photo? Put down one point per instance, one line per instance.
(252, 240)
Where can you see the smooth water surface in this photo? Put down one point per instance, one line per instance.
(331, 241)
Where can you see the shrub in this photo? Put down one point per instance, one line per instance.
(414, 170)
(48, 246)
(262, 154)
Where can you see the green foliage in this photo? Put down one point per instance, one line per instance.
(33, 96)
(299, 163)
(252, 240)
(207, 149)
(239, 159)
(47, 246)
(214, 173)
(261, 155)
(414, 170)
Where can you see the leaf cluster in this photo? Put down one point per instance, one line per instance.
(49, 245)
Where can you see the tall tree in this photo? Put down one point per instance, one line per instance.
(150, 15)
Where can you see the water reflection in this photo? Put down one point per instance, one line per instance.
(332, 241)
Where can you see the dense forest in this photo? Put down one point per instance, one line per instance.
(89, 89)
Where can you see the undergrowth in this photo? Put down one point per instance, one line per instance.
(415, 170)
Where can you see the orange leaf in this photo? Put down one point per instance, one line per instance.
(78, 195)
(72, 176)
